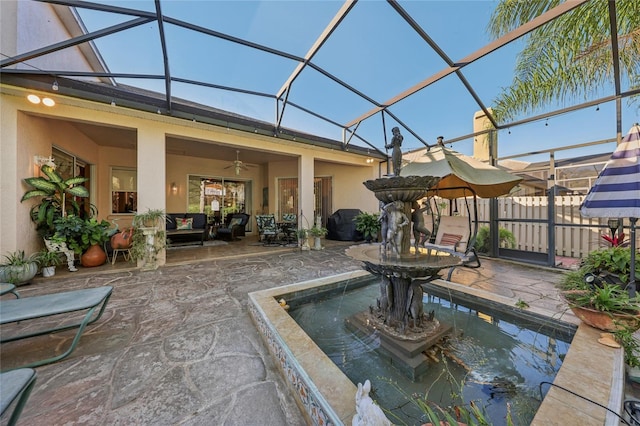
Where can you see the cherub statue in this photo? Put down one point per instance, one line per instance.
(397, 220)
(420, 232)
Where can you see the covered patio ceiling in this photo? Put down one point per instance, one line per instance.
(315, 72)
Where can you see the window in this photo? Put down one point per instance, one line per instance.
(68, 166)
(124, 190)
(288, 197)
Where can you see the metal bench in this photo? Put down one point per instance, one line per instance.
(16, 386)
(29, 308)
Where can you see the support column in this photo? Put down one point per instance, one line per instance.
(152, 185)
(306, 198)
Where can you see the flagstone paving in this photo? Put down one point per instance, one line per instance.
(177, 345)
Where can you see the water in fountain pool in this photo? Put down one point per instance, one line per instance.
(493, 358)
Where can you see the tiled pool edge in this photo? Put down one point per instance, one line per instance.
(325, 395)
(589, 369)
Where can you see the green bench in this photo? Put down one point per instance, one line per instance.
(30, 308)
(16, 386)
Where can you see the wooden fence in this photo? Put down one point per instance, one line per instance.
(575, 235)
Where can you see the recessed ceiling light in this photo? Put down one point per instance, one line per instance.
(48, 102)
(34, 99)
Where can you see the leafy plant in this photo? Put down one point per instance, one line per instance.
(46, 258)
(318, 231)
(80, 234)
(302, 233)
(94, 232)
(614, 260)
(608, 298)
(368, 224)
(150, 218)
(56, 198)
(17, 258)
(630, 346)
(615, 241)
(506, 239)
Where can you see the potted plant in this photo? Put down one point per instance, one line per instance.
(303, 239)
(368, 224)
(94, 235)
(149, 238)
(18, 268)
(149, 219)
(82, 236)
(48, 260)
(317, 232)
(596, 292)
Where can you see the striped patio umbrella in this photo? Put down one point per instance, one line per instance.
(616, 191)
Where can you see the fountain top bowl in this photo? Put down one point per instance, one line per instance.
(410, 265)
(401, 188)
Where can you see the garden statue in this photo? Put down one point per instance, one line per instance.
(62, 248)
(368, 413)
(420, 233)
(397, 220)
(396, 154)
(384, 225)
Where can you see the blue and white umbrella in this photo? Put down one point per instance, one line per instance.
(616, 191)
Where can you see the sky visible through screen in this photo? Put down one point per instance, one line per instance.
(373, 50)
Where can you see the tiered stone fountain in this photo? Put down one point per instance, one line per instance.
(406, 332)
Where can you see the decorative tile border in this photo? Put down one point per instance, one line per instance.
(314, 405)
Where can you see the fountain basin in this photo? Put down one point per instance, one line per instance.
(326, 396)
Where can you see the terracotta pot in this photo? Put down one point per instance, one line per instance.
(605, 320)
(94, 256)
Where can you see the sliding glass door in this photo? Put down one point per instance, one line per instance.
(218, 197)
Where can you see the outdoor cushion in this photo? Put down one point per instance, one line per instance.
(450, 239)
(184, 223)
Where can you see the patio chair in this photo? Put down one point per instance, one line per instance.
(267, 229)
(16, 387)
(234, 228)
(289, 227)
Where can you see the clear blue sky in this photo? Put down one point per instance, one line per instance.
(373, 50)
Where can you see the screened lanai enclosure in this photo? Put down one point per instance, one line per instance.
(340, 75)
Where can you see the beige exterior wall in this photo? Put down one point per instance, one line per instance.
(45, 27)
(28, 130)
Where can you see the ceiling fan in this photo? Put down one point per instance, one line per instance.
(238, 165)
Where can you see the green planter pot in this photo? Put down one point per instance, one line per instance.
(18, 275)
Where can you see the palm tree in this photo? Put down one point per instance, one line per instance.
(569, 57)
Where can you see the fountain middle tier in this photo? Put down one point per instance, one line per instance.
(400, 298)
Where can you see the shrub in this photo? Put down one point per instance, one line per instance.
(483, 242)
